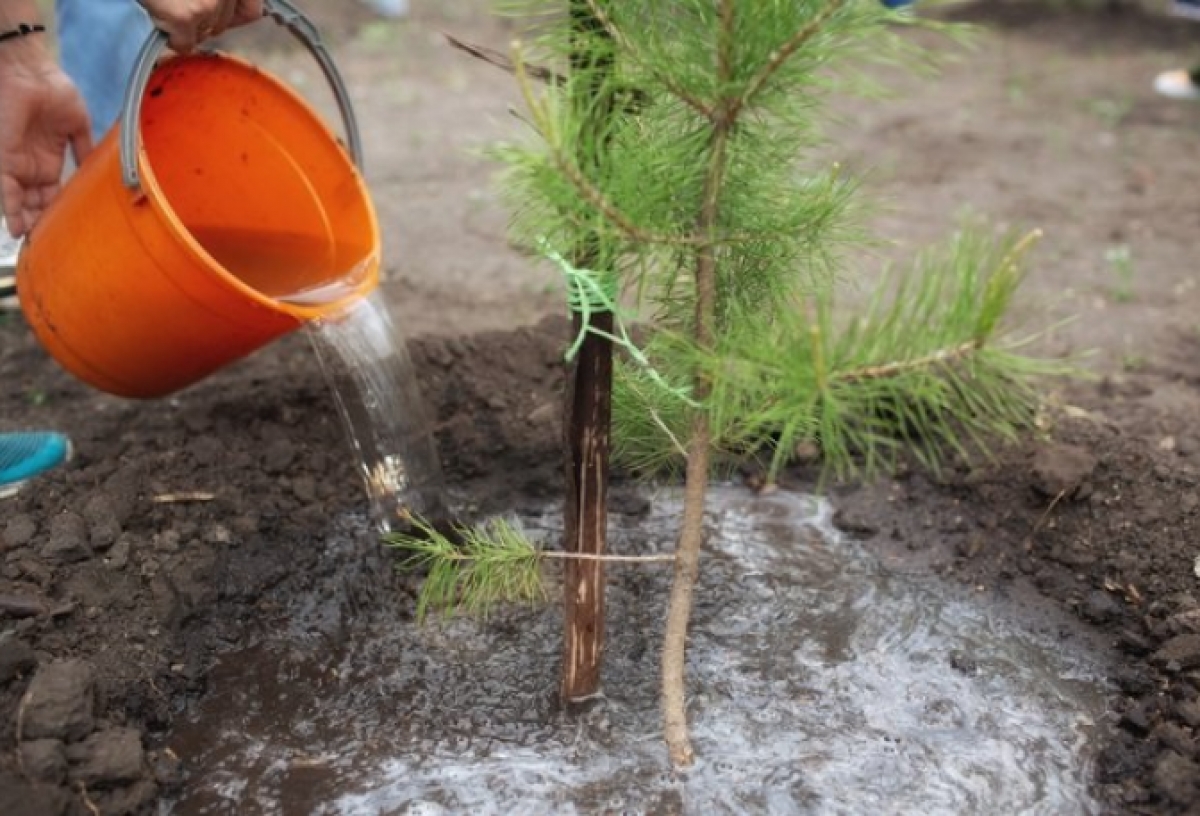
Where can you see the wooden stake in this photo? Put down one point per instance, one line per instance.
(590, 409)
(588, 417)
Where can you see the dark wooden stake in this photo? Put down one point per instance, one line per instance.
(588, 415)
(589, 407)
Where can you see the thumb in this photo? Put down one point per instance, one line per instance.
(81, 142)
(12, 199)
(180, 36)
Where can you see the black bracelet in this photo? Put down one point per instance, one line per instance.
(23, 30)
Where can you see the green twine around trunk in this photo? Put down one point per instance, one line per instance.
(590, 292)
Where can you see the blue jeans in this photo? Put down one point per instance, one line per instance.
(98, 42)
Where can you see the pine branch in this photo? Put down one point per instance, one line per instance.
(491, 564)
(817, 343)
(483, 566)
(898, 367)
(593, 195)
(696, 104)
(570, 170)
(782, 55)
(921, 370)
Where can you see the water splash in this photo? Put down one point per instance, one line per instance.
(819, 684)
(367, 366)
(362, 355)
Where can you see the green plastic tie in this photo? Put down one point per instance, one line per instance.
(589, 292)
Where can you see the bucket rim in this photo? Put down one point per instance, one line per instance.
(152, 192)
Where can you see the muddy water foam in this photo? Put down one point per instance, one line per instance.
(819, 684)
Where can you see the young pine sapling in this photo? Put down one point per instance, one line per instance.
(669, 161)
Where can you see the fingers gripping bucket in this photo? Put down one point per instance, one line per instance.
(220, 215)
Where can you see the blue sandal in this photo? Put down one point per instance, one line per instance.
(24, 455)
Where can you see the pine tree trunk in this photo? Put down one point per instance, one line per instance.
(589, 409)
(679, 611)
(691, 534)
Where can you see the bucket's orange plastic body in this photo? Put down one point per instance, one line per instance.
(249, 207)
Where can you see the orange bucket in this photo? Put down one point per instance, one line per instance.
(221, 214)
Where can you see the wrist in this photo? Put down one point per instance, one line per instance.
(31, 50)
(22, 30)
(31, 53)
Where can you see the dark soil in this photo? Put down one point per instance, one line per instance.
(190, 524)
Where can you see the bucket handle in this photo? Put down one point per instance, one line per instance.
(282, 12)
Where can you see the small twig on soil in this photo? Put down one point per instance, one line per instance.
(21, 723)
(1129, 592)
(154, 687)
(310, 761)
(62, 610)
(181, 498)
(19, 606)
(1042, 520)
(87, 800)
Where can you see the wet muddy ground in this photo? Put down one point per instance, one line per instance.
(822, 681)
(196, 527)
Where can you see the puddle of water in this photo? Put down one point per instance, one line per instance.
(368, 369)
(819, 684)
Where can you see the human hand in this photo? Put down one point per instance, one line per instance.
(41, 115)
(188, 23)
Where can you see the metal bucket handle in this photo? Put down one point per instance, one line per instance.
(284, 13)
